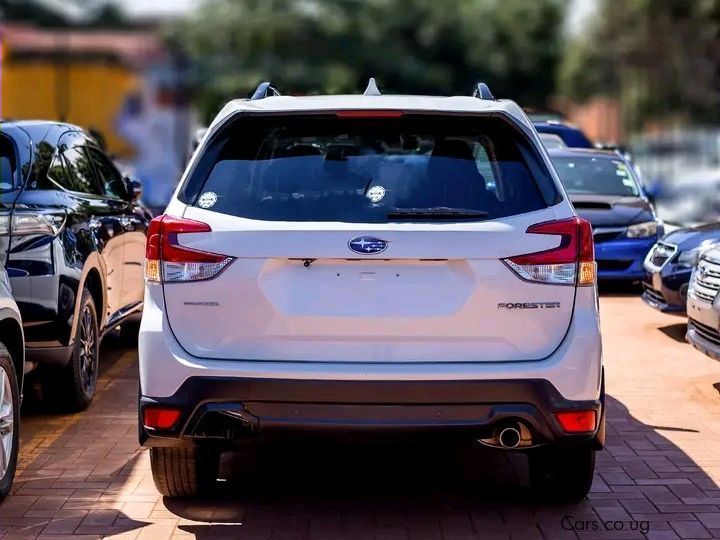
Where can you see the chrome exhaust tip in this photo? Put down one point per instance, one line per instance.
(509, 437)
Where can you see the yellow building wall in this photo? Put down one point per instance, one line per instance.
(32, 89)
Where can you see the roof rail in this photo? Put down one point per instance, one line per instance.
(482, 91)
(265, 89)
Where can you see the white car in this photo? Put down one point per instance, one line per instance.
(12, 369)
(375, 264)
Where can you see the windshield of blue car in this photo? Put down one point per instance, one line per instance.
(591, 175)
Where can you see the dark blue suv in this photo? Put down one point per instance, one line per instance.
(669, 266)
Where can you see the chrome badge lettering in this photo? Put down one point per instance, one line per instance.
(529, 305)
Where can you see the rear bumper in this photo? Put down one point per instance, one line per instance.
(622, 259)
(218, 410)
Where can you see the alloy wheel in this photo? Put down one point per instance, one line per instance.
(7, 416)
(88, 352)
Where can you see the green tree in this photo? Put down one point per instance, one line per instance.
(413, 46)
(659, 57)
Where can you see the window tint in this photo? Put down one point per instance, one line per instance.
(7, 165)
(56, 171)
(596, 175)
(108, 175)
(361, 170)
(79, 173)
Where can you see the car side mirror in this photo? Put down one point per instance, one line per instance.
(134, 188)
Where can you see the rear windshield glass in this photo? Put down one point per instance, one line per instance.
(596, 175)
(368, 170)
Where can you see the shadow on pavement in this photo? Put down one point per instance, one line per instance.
(675, 331)
(336, 491)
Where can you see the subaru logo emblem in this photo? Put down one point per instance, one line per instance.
(367, 245)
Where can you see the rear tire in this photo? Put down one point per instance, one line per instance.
(561, 474)
(184, 472)
(81, 374)
(9, 421)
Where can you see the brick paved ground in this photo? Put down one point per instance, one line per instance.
(84, 475)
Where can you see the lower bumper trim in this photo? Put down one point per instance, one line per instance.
(225, 409)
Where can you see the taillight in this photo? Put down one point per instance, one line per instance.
(577, 421)
(571, 263)
(160, 417)
(25, 223)
(168, 262)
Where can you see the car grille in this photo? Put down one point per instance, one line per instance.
(660, 254)
(706, 280)
(605, 234)
(653, 294)
(706, 332)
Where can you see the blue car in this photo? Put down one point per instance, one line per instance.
(604, 189)
(669, 266)
(556, 134)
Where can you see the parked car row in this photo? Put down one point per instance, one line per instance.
(683, 277)
(72, 244)
(679, 271)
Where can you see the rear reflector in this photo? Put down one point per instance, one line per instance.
(167, 261)
(577, 421)
(160, 418)
(571, 263)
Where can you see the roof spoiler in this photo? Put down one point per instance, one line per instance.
(265, 89)
(482, 91)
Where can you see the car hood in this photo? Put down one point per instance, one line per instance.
(691, 237)
(612, 210)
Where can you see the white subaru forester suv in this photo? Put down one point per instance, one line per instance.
(375, 264)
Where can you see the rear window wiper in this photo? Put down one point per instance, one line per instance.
(438, 212)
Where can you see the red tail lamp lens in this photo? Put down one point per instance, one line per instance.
(168, 261)
(577, 421)
(160, 418)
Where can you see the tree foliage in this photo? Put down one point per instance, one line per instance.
(659, 57)
(414, 46)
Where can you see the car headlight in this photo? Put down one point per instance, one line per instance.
(642, 230)
(688, 258)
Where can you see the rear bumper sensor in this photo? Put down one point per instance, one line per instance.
(226, 410)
